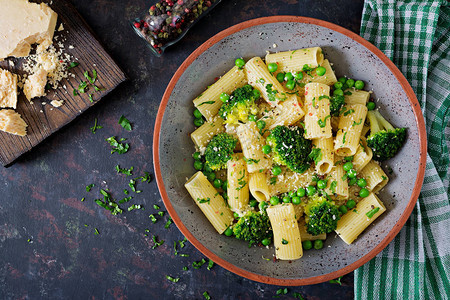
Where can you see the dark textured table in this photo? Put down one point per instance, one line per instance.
(49, 247)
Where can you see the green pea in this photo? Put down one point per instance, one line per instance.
(262, 205)
(197, 155)
(359, 84)
(207, 168)
(296, 200)
(217, 183)
(198, 122)
(301, 192)
(280, 77)
(239, 63)
(224, 97)
(256, 93)
(338, 92)
(236, 215)
(307, 245)
(350, 204)
(291, 194)
(198, 165)
(353, 181)
(321, 184)
(266, 242)
(211, 176)
(321, 71)
(342, 80)
(298, 76)
(350, 82)
(276, 170)
(273, 67)
(351, 173)
(287, 199)
(363, 193)
(338, 85)
(253, 203)
(274, 200)
(370, 105)
(318, 244)
(347, 166)
(225, 185)
(266, 149)
(311, 190)
(197, 114)
(362, 183)
(288, 76)
(290, 85)
(252, 118)
(228, 232)
(261, 124)
(343, 209)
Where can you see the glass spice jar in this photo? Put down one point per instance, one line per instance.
(169, 20)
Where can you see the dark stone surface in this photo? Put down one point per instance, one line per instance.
(48, 245)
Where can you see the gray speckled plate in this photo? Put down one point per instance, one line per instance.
(351, 55)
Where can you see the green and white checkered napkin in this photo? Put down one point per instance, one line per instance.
(415, 35)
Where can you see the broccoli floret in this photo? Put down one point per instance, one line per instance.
(336, 103)
(290, 148)
(384, 140)
(253, 227)
(240, 105)
(322, 215)
(219, 151)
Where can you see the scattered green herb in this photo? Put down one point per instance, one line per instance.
(323, 123)
(170, 278)
(316, 155)
(157, 244)
(201, 201)
(206, 295)
(372, 212)
(297, 296)
(89, 187)
(125, 123)
(127, 172)
(198, 264)
(284, 242)
(156, 206)
(96, 126)
(210, 265)
(117, 145)
(167, 225)
(153, 218)
(73, 65)
(337, 280)
(135, 206)
(206, 102)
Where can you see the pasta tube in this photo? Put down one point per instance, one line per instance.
(238, 188)
(286, 234)
(351, 124)
(325, 161)
(210, 202)
(209, 103)
(317, 118)
(202, 135)
(375, 176)
(289, 61)
(353, 223)
(258, 186)
(252, 143)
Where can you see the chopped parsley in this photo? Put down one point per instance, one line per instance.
(333, 186)
(343, 139)
(185, 268)
(161, 213)
(157, 244)
(206, 102)
(125, 123)
(206, 295)
(383, 177)
(323, 123)
(210, 265)
(117, 145)
(156, 207)
(127, 172)
(153, 218)
(167, 225)
(73, 65)
(135, 206)
(372, 212)
(201, 201)
(198, 264)
(124, 200)
(91, 97)
(355, 124)
(348, 112)
(132, 185)
(96, 126)
(89, 187)
(337, 280)
(273, 180)
(88, 77)
(284, 242)
(82, 87)
(146, 178)
(272, 94)
(297, 296)
(282, 291)
(250, 161)
(96, 232)
(316, 155)
(170, 278)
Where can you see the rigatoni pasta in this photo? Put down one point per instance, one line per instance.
(272, 169)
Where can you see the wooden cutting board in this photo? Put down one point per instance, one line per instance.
(44, 119)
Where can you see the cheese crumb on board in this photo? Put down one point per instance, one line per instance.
(8, 89)
(57, 103)
(23, 24)
(12, 122)
(35, 84)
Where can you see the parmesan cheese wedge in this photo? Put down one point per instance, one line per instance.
(12, 122)
(23, 24)
(35, 84)
(8, 89)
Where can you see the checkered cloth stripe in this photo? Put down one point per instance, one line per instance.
(415, 35)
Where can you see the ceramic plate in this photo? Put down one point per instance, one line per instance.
(351, 55)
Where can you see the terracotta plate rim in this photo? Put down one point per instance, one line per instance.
(403, 218)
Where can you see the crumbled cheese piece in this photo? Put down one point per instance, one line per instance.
(8, 89)
(61, 27)
(12, 122)
(23, 24)
(57, 103)
(35, 84)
